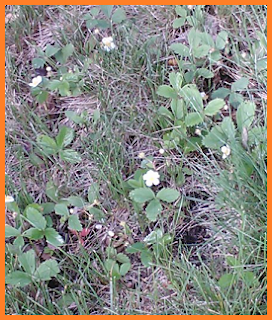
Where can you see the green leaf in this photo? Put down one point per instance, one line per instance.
(220, 93)
(96, 115)
(63, 88)
(97, 213)
(180, 49)
(109, 263)
(11, 232)
(221, 40)
(62, 210)
(70, 155)
(194, 38)
(245, 115)
(167, 194)
(215, 56)
(13, 206)
(214, 107)
(53, 237)
(180, 179)
(179, 22)
(166, 91)
(53, 85)
(38, 63)
(107, 10)
(153, 209)
(136, 247)
(122, 258)
(51, 191)
(33, 234)
(180, 11)
(191, 144)
(146, 163)
(193, 119)
(27, 261)
(76, 201)
(176, 80)
(67, 51)
(226, 280)
(165, 112)
(91, 23)
(124, 268)
(207, 39)
(177, 107)
(192, 97)
(257, 136)
(240, 84)
(235, 99)
(189, 76)
(233, 262)
(66, 300)
(48, 144)
(205, 73)
(250, 278)
(154, 237)
(146, 258)
(42, 97)
(93, 192)
(262, 64)
(201, 51)
(51, 50)
(18, 278)
(142, 195)
(74, 117)
(113, 268)
(19, 242)
(191, 20)
(215, 139)
(138, 175)
(74, 223)
(134, 183)
(35, 218)
(47, 207)
(119, 15)
(228, 128)
(33, 205)
(102, 24)
(49, 221)
(47, 270)
(111, 252)
(220, 134)
(94, 11)
(64, 137)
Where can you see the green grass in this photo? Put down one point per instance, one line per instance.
(213, 259)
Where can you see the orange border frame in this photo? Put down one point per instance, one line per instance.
(2, 128)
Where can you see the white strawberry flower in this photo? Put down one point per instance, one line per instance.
(141, 155)
(151, 178)
(35, 81)
(198, 132)
(226, 151)
(108, 44)
(8, 199)
(110, 233)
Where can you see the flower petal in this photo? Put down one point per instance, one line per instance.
(145, 176)
(148, 183)
(9, 199)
